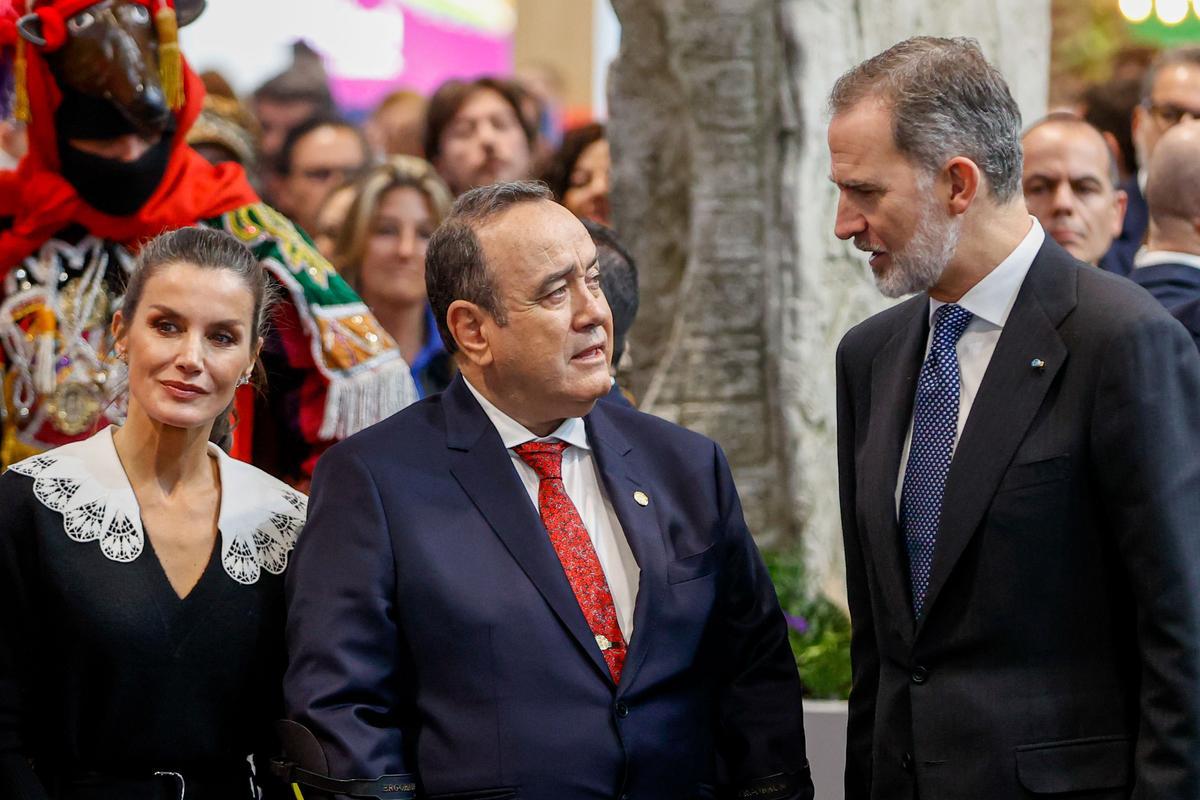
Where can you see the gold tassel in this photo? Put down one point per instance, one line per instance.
(21, 110)
(170, 61)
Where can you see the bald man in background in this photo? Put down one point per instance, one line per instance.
(1070, 183)
(1169, 265)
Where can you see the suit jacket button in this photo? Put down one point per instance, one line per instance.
(906, 762)
(920, 675)
(622, 710)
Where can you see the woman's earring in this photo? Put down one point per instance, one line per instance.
(242, 381)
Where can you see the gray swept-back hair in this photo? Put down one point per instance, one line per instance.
(946, 100)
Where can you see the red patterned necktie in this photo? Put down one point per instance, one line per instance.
(575, 551)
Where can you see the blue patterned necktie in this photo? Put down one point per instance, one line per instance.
(935, 426)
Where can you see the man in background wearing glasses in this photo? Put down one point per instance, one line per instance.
(1170, 93)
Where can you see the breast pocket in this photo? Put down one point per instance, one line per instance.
(692, 567)
(1028, 474)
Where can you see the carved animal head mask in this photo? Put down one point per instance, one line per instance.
(109, 51)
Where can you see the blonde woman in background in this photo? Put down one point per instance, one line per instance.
(380, 251)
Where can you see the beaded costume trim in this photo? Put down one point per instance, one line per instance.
(368, 379)
(85, 483)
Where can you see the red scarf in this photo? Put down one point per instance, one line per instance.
(42, 202)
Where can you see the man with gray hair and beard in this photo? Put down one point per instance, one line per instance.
(1019, 466)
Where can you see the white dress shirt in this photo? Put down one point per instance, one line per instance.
(991, 301)
(582, 481)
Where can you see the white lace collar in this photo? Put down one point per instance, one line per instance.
(85, 483)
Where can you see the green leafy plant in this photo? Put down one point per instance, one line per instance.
(818, 630)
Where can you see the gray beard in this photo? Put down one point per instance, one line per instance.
(923, 260)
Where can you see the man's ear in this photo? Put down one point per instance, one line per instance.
(964, 178)
(1121, 198)
(1114, 147)
(1136, 120)
(466, 322)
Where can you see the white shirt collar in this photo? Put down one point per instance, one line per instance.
(512, 433)
(1151, 258)
(992, 299)
(84, 481)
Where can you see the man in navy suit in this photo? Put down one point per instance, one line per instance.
(1169, 265)
(511, 590)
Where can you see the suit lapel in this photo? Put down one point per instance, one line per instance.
(893, 386)
(1009, 397)
(641, 528)
(482, 466)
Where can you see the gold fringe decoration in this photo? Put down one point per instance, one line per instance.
(21, 111)
(170, 61)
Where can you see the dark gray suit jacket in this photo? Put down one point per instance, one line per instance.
(1060, 646)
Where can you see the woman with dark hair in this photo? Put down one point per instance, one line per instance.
(141, 570)
(579, 173)
(380, 252)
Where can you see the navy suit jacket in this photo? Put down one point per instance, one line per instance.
(431, 628)
(1171, 284)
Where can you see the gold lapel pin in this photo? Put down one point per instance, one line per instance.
(641, 498)
(1038, 364)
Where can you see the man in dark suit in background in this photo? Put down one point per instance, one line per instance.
(1019, 460)
(1170, 93)
(1169, 265)
(512, 590)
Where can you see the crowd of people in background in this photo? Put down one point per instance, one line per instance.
(1112, 180)
(461, 594)
(370, 194)
(1087, 173)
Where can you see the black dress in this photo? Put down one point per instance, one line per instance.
(112, 687)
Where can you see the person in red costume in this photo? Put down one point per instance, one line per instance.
(108, 101)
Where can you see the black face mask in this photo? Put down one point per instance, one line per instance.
(81, 116)
(115, 187)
